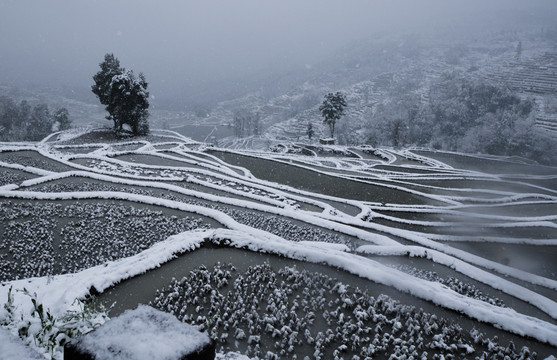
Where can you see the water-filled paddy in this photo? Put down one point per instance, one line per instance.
(439, 216)
(304, 302)
(42, 238)
(305, 179)
(477, 184)
(487, 165)
(33, 159)
(532, 208)
(205, 133)
(538, 260)
(476, 229)
(70, 150)
(142, 159)
(422, 170)
(549, 182)
(126, 147)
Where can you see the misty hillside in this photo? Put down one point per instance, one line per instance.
(384, 81)
(373, 74)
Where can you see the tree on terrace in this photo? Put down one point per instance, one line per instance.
(124, 95)
(40, 122)
(310, 132)
(8, 116)
(109, 67)
(332, 109)
(129, 102)
(61, 119)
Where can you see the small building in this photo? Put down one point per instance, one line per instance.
(327, 141)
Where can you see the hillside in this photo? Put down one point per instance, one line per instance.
(316, 251)
(371, 73)
(375, 72)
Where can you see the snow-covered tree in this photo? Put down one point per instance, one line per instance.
(40, 123)
(124, 95)
(310, 132)
(332, 109)
(109, 68)
(8, 116)
(21, 122)
(129, 102)
(61, 119)
(24, 112)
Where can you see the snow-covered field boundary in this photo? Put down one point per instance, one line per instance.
(216, 181)
(457, 263)
(541, 302)
(423, 240)
(299, 215)
(58, 293)
(503, 318)
(334, 223)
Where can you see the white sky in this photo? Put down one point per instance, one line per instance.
(182, 44)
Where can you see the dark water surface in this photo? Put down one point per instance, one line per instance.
(142, 289)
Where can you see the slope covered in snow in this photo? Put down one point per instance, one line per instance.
(470, 240)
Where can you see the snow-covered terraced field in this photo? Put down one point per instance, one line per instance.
(329, 253)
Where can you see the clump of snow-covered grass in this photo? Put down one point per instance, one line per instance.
(277, 225)
(8, 177)
(47, 333)
(48, 238)
(286, 313)
(452, 283)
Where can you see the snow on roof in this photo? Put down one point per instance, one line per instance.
(143, 333)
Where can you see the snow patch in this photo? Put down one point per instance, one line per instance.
(143, 334)
(11, 347)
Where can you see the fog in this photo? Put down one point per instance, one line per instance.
(190, 47)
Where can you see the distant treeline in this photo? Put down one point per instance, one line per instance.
(20, 121)
(460, 113)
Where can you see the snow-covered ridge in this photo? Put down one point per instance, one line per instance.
(411, 207)
(58, 293)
